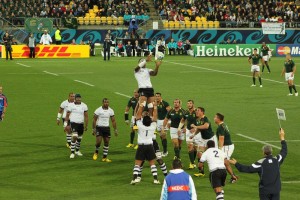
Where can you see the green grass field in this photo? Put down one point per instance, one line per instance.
(35, 163)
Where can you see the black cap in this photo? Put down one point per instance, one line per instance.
(77, 95)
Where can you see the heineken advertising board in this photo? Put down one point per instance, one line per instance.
(230, 50)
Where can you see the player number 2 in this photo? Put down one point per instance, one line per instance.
(216, 154)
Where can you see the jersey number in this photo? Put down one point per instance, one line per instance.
(216, 154)
(146, 133)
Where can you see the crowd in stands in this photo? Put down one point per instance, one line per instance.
(11, 10)
(231, 12)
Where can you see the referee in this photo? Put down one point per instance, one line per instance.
(268, 170)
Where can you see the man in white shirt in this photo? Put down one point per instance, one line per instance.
(145, 151)
(62, 112)
(217, 165)
(46, 39)
(77, 113)
(142, 75)
(101, 128)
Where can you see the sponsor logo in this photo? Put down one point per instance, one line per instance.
(178, 188)
(283, 50)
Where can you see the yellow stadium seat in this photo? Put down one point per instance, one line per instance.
(91, 11)
(98, 22)
(205, 24)
(80, 20)
(103, 20)
(171, 24)
(216, 24)
(187, 24)
(177, 24)
(109, 18)
(186, 19)
(95, 7)
(199, 24)
(198, 18)
(166, 24)
(86, 20)
(109, 22)
(194, 24)
(182, 24)
(210, 24)
(203, 19)
(115, 21)
(92, 20)
(87, 14)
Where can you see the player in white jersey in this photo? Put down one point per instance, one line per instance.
(217, 165)
(62, 111)
(145, 151)
(142, 75)
(101, 128)
(77, 113)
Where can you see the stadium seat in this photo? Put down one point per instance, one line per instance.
(177, 24)
(210, 24)
(115, 21)
(187, 24)
(98, 20)
(217, 24)
(80, 20)
(166, 24)
(109, 20)
(87, 14)
(199, 24)
(171, 24)
(204, 24)
(198, 19)
(95, 7)
(186, 19)
(92, 20)
(203, 19)
(103, 20)
(182, 24)
(86, 20)
(194, 24)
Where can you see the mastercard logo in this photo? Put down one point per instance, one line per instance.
(283, 50)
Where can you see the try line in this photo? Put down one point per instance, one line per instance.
(259, 141)
(85, 83)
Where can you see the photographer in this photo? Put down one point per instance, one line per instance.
(7, 40)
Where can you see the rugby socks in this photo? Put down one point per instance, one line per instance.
(78, 142)
(140, 172)
(72, 147)
(164, 144)
(177, 152)
(290, 89)
(220, 196)
(132, 135)
(105, 151)
(154, 171)
(259, 78)
(163, 168)
(268, 67)
(195, 155)
(294, 87)
(97, 148)
(191, 156)
(263, 67)
(69, 138)
(136, 170)
(253, 79)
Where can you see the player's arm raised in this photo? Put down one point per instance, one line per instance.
(155, 71)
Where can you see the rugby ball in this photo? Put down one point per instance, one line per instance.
(160, 56)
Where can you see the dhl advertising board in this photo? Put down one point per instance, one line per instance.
(50, 51)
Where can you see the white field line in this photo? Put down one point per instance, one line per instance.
(259, 141)
(183, 72)
(275, 141)
(290, 182)
(85, 83)
(50, 73)
(23, 65)
(71, 73)
(124, 95)
(223, 72)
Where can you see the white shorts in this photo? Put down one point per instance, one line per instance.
(203, 142)
(188, 134)
(160, 124)
(288, 76)
(255, 68)
(132, 121)
(197, 139)
(174, 134)
(228, 150)
(266, 58)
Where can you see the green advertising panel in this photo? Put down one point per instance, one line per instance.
(230, 50)
(38, 25)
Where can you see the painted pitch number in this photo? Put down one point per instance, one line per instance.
(216, 154)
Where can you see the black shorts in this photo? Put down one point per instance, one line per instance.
(78, 128)
(147, 92)
(103, 131)
(63, 120)
(145, 152)
(217, 178)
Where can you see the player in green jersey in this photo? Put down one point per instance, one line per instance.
(177, 136)
(189, 119)
(255, 69)
(131, 104)
(265, 55)
(289, 69)
(163, 108)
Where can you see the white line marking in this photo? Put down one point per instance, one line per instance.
(290, 181)
(84, 83)
(210, 72)
(66, 73)
(50, 73)
(277, 141)
(256, 140)
(23, 65)
(124, 95)
(224, 72)
(26, 73)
